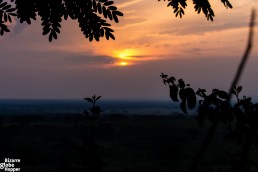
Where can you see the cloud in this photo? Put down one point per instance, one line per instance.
(194, 50)
(131, 23)
(89, 60)
(204, 28)
(125, 3)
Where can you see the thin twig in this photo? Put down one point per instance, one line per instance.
(213, 127)
(246, 54)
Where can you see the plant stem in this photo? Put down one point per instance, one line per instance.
(214, 125)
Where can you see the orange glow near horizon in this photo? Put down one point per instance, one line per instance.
(126, 54)
(128, 57)
(123, 63)
(125, 57)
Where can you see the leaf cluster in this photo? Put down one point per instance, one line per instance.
(183, 91)
(6, 13)
(241, 117)
(246, 114)
(90, 14)
(95, 110)
(204, 6)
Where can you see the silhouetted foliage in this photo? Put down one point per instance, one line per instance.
(185, 92)
(89, 14)
(91, 148)
(199, 5)
(241, 117)
(94, 111)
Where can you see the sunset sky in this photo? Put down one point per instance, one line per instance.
(149, 40)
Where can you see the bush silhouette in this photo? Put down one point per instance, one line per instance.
(92, 158)
(241, 117)
(94, 111)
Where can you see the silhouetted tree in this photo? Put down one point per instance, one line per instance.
(88, 13)
(199, 5)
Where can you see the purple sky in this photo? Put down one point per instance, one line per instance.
(205, 54)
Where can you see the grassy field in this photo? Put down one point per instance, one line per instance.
(116, 144)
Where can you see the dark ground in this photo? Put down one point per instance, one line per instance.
(116, 144)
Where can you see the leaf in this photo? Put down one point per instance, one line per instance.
(91, 37)
(54, 34)
(177, 13)
(56, 28)
(94, 5)
(229, 5)
(183, 3)
(112, 8)
(223, 95)
(181, 83)
(182, 94)
(171, 80)
(109, 14)
(226, 3)
(162, 75)
(50, 37)
(108, 3)
(181, 11)
(215, 90)
(5, 17)
(10, 10)
(9, 18)
(233, 91)
(190, 97)
(96, 37)
(65, 15)
(102, 32)
(89, 100)
(173, 92)
(115, 17)
(28, 21)
(109, 34)
(94, 97)
(118, 13)
(239, 89)
(104, 10)
(183, 106)
(6, 7)
(46, 30)
(169, 4)
(99, 8)
(98, 98)
(3, 4)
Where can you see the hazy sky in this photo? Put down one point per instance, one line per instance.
(149, 39)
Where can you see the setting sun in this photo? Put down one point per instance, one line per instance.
(123, 63)
(126, 54)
